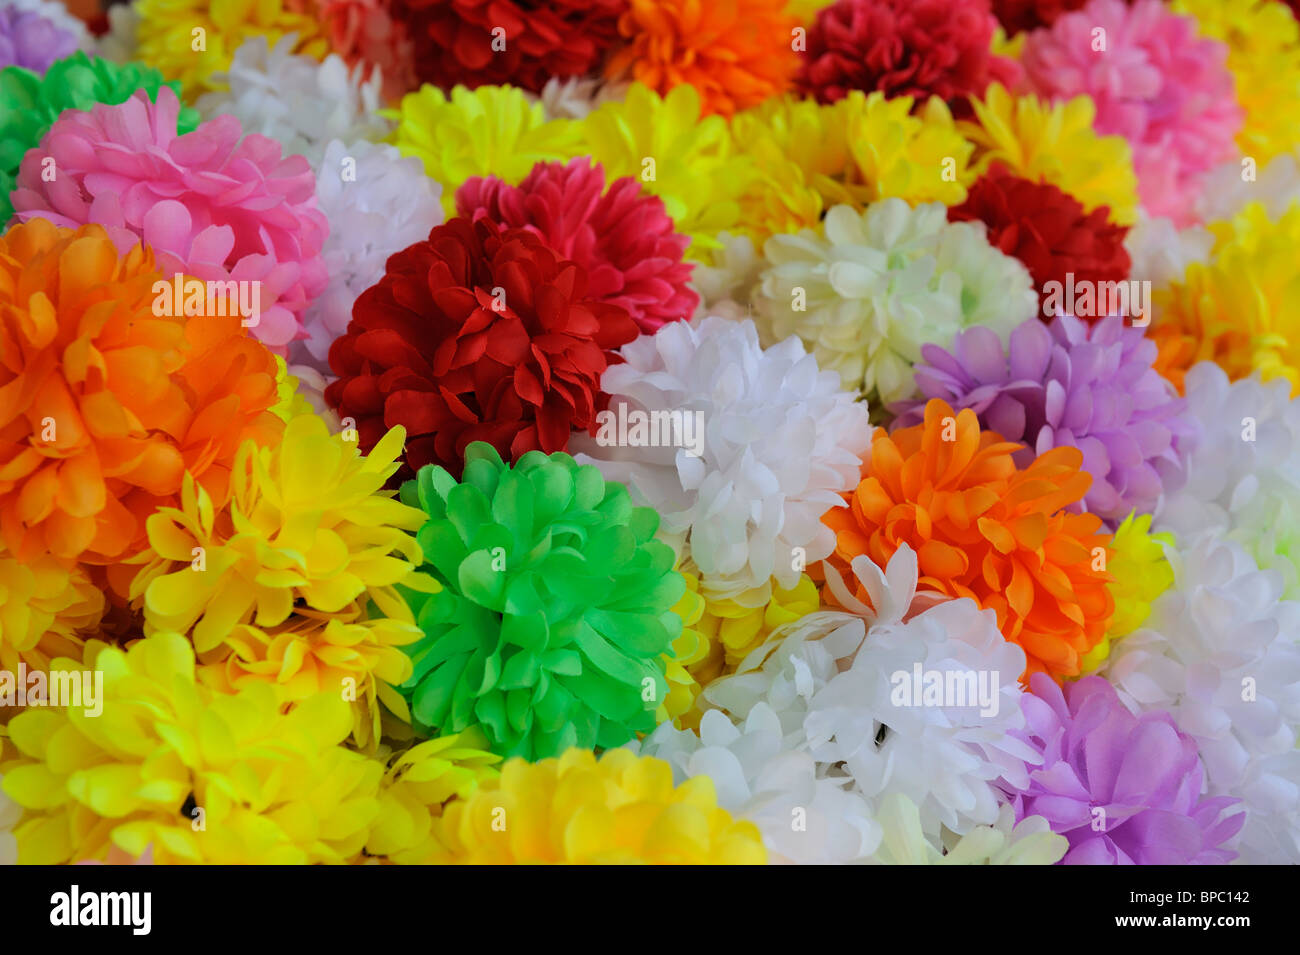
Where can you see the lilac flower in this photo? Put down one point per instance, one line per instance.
(1070, 383)
(31, 40)
(1123, 789)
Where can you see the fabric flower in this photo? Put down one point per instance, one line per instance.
(554, 608)
(308, 527)
(1165, 90)
(295, 99)
(767, 443)
(1123, 789)
(866, 291)
(1140, 573)
(273, 788)
(1244, 475)
(624, 241)
(1046, 229)
(917, 48)
(1236, 309)
(1019, 16)
(760, 781)
(480, 42)
(677, 152)
(854, 151)
(1070, 384)
(165, 36)
(492, 130)
(33, 35)
(105, 404)
(29, 105)
(579, 810)
(1029, 841)
(475, 335)
(213, 204)
(735, 54)
(987, 530)
(1221, 653)
(377, 203)
(46, 609)
(1055, 143)
(1264, 57)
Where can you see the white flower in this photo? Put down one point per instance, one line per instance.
(1006, 842)
(726, 285)
(296, 100)
(59, 15)
(377, 202)
(778, 444)
(841, 683)
(575, 97)
(867, 290)
(1226, 192)
(1221, 653)
(1243, 478)
(804, 819)
(1161, 252)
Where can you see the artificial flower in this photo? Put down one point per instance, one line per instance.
(763, 443)
(36, 33)
(554, 607)
(475, 335)
(1161, 252)
(1138, 563)
(1028, 841)
(46, 609)
(866, 290)
(369, 34)
(576, 97)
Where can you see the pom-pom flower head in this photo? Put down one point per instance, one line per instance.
(475, 335)
(735, 54)
(986, 530)
(623, 239)
(105, 405)
(1070, 384)
(214, 204)
(917, 48)
(1140, 772)
(866, 291)
(555, 605)
(576, 809)
(1165, 90)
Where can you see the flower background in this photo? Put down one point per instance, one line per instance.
(633, 423)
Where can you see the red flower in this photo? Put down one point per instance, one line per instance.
(475, 335)
(917, 48)
(623, 239)
(1019, 15)
(1046, 229)
(455, 40)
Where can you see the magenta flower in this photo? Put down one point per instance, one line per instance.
(1123, 789)
(1156, 82)
(1069, 383)
(214, 204)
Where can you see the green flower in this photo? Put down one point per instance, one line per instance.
(30, 103)
(557, 604)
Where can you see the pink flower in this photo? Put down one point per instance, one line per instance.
(214, 204)
(1155, 82)
(625, 240)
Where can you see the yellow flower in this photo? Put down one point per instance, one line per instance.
(190, 40)
(199, 776)
(291, 402)
(573, 809)
(44, 609)
(806, 10)
(688, 162)
(419, 782)
(491, 130)
(308, 525)
(1264, 57)
(1140, 573)
(1238, 309)
(1056, 144)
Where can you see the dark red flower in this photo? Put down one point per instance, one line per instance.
(475, 334)
(624, 239)
(1046, 229)
(917, 48)
(521, 42)
(1019, 15)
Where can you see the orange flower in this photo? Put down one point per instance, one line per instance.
(737, 53)
(104, 404)
(983, 529)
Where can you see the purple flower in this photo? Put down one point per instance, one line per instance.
(1070, 383)
(1123, 789)
(31, 40)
